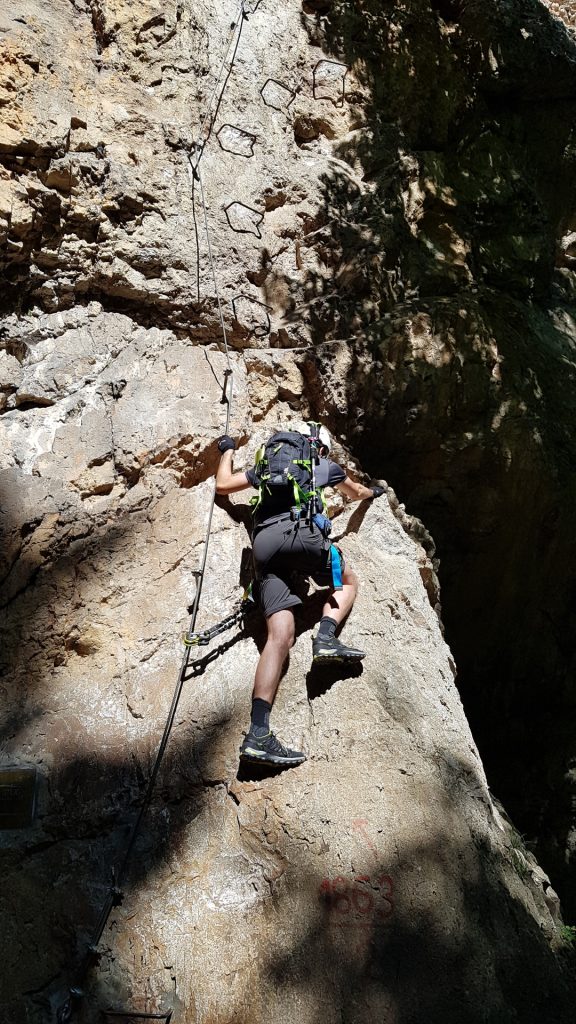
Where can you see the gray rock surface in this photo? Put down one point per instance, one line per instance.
(381, 880)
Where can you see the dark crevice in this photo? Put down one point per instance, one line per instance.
(476, 440)
(449, 10)
(102, 35)
(29, 158)
(24, 404)
(145, 311)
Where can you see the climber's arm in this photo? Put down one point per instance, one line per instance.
(358, 492)
(227, 481)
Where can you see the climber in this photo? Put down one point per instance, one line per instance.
(291, 534)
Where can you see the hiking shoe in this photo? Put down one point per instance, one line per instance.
(328, 649)
(267, 749)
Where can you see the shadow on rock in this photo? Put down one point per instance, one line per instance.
(322, 678)
(439, 292)
(402, 938)
(258, 772)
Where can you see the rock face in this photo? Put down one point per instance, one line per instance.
(453, 288)
(362, 252)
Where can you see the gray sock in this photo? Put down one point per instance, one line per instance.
(327, 627)
(260, 721)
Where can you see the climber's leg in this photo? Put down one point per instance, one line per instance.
(260, 745)
(325, 646)
(279, 641)
(340, 602)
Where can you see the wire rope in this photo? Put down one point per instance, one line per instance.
(238, 23)
(114, 896)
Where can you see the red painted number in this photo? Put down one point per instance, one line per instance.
(343, 895)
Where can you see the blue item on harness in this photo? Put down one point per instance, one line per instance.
(323, 524)
(336, 567)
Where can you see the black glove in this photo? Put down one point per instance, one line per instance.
(226, 444)
(377, 491)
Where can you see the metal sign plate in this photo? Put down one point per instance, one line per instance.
(17, 797)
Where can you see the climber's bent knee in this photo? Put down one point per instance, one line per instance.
(350, 579)
(281, 630)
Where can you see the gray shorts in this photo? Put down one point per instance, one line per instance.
(282, 549)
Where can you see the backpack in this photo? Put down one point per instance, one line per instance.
(284, 471)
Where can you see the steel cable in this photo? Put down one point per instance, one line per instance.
(114, 896)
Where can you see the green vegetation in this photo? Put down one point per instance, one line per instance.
(568, 933)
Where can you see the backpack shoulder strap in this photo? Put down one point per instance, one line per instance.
(322, 473)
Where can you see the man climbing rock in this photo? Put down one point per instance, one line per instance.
(291, 534)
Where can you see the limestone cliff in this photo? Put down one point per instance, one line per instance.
(359, 202)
